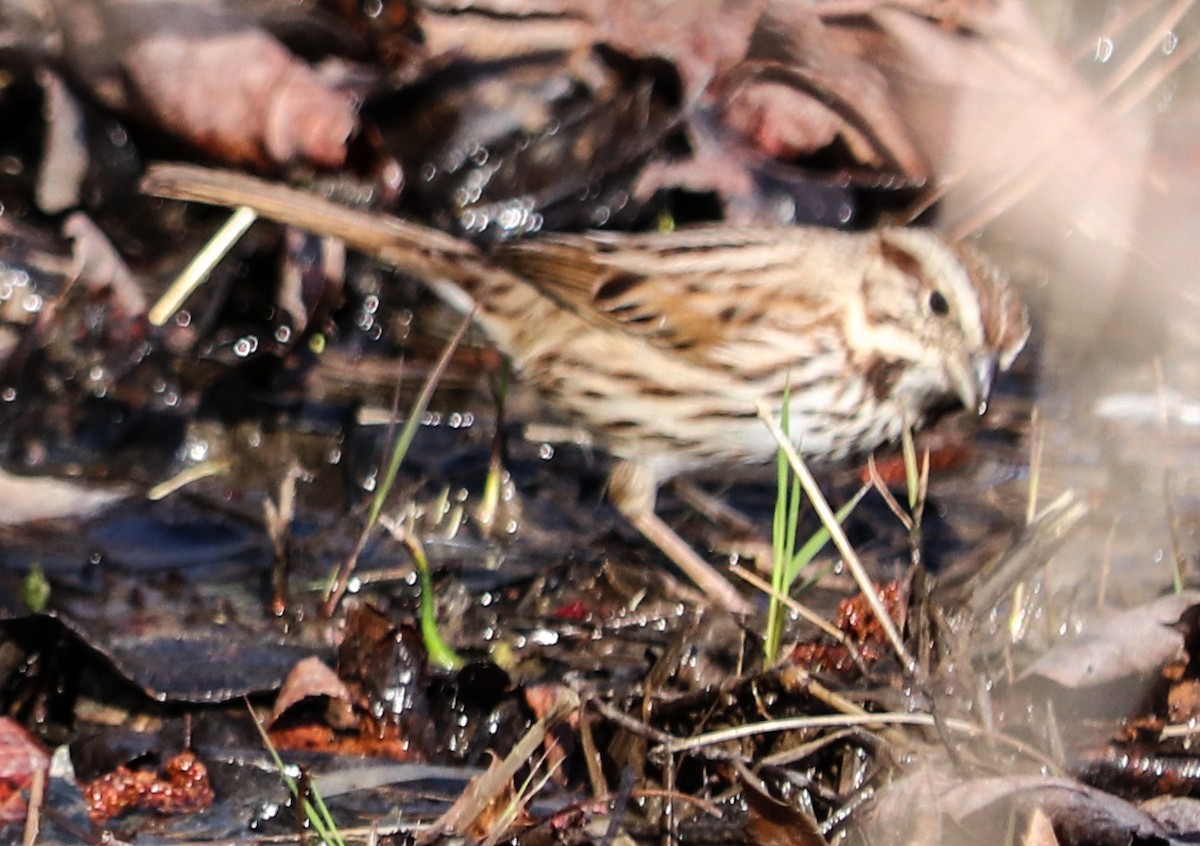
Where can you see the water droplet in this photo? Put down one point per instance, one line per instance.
(1104, 49)
(246, 346)
(546, 452)
(117, 135)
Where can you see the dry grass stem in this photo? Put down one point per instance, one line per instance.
(202, 264)
(954, 724)
(829, 520)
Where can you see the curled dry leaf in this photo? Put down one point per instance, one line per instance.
(210, 77)
(799, 88)
(64, 155)
(783, 122)
(273, 109)
(1081, 814)
(21, 757)
(771, 822)
(682, 31)
(97, 265)
(1117, 644)
(772, 72)
(310, 677)
(24, 499)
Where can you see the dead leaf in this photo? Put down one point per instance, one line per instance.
(1116, 645)
(210, 77)
(20, 758)
(310, 677)
(1039, 831)
(1080, 814)
(794, 57)
(24, 499)
(65, 155)
(96, 264)
(773, 823)
(683, 32)
(1179, 814)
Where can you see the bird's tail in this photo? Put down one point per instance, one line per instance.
(410, 247)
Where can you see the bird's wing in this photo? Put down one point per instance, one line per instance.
(693, 292)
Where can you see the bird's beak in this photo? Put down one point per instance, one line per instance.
(971, 378)
(985, 373)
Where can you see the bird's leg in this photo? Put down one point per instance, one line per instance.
(716, 510)
(633, 490)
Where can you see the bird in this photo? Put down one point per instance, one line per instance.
(661, 344)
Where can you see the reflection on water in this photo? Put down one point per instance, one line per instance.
(1119, 305)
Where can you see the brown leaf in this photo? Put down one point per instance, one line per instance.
(684, 32)
(210, 77)
(1118, 644)
(97, 265)
(310, 677)
(1080, 814)
(795, 57)
(771, 822)
(20, 754)
(1039, 831)
(782, 121)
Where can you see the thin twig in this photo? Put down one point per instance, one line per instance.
(727, 735)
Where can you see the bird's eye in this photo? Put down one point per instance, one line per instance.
(938, 304)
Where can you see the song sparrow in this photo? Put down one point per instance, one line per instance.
(660, 344)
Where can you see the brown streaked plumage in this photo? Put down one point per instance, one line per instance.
(661, 344)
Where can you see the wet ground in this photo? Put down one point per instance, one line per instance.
(141, 625)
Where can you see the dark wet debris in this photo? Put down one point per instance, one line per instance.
(186, 491)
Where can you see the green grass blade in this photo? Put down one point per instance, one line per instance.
(813, 546)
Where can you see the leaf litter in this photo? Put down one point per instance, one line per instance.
(599, 701)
